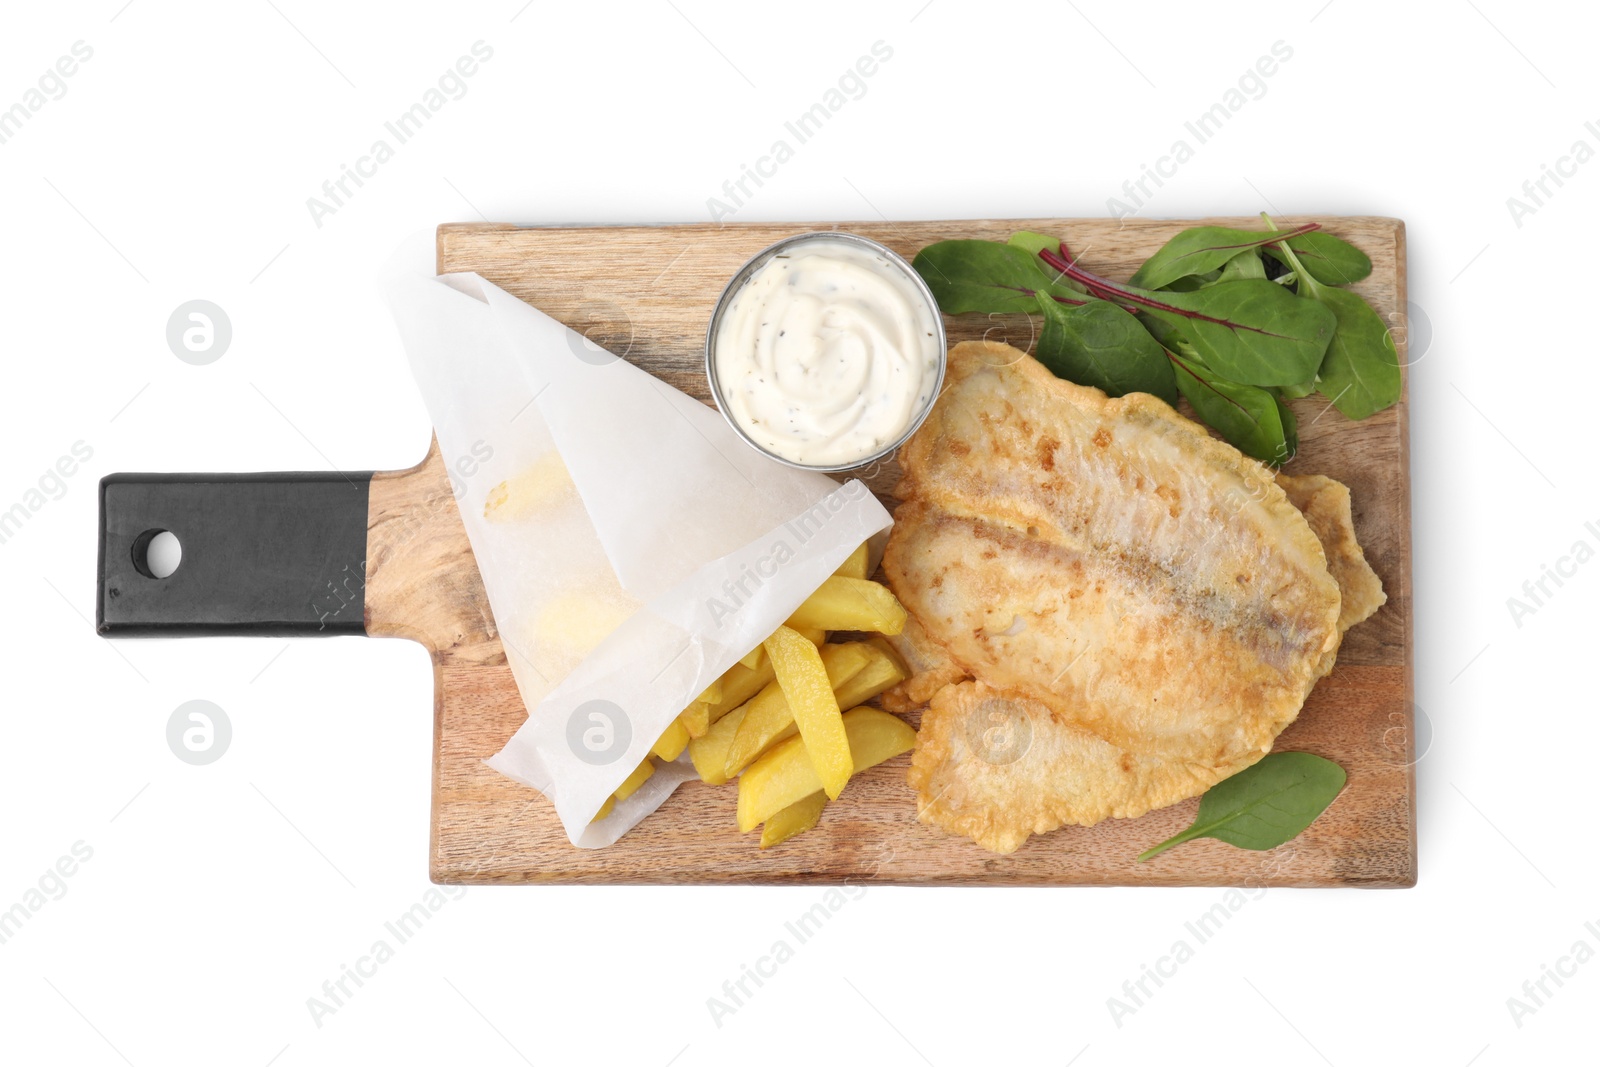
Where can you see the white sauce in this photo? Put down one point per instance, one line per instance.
(827, 354)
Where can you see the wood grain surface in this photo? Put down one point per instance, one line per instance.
(646, 293)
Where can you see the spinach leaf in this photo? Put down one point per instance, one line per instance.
(986, 276)
(1101, 345)
(1300, 389)
(1360, 374)
(1248, 417)
(1201, 249)
(1031, 243)
(1245, 266)
(1253, 332)
(1326, 258)
(1265, 805)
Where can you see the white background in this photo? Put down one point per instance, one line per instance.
(218, 899)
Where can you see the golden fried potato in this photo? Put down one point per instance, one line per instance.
(544, 483)
(605, 809)
(878, 675)
(797, 818)
(856, 565)
(768, 714)
(710, 753)
(804, 681)
(670, 745)
(640, 775)
(696, 718)
(851, 604)
(740, 683)
(784, 774)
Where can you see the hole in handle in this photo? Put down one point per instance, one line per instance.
(157, 553)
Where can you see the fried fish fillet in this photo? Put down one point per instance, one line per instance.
(1326, 505)
(1145, 598)
(997, 767)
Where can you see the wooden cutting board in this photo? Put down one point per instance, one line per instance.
(646, 293)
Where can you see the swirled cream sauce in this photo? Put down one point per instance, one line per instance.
(828, 353)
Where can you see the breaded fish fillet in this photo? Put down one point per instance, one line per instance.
(1145, 598)
(997, 767)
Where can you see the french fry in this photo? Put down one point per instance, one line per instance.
(752, 659)
(815, 634)
(879, 674)
(670, 745)
(769, 713)
(704, 709)
(696, 718)
(856, 565)
(640, 775)
(886, 646)
(710, 753)
(605, 809)
(851, 604)
(543, 484)
(784, 774)
(740, 683)
(804, 681)
(797, 818)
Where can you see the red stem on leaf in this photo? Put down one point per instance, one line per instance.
(1113, 291)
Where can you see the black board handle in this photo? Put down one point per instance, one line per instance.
(279, 554)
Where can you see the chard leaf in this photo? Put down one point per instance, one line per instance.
(1300, 389)
(1264, 805)
(1100, 344)
(1253, 332)
(1248, 417)
(1245, 266)
(986, 276)
(1361, 372)
(1326, 258)
(1031, 243)
(1198, 250)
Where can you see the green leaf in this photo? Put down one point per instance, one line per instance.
(1300, 389)
(1245, 266)
(1197, 250)
(1100, 344)
(1326, 258)
(986, 276)
(1189, 283)
(1031, 243)
(1265, 805)
(1248, 417)
(1361, 372)
(1253, 332)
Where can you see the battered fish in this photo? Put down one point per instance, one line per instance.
(1146, 602)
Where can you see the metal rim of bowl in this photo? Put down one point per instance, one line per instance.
(759, 260)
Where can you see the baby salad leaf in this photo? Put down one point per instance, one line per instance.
(1031, 242)
(986, 276)
(1243, 267)
(1326, 258)
(1265, 805)
(1101, 345)
(1253, 332)
(1198, 250)
(1360, 374)
(1248, 417)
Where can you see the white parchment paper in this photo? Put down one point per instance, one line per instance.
(632, 546)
